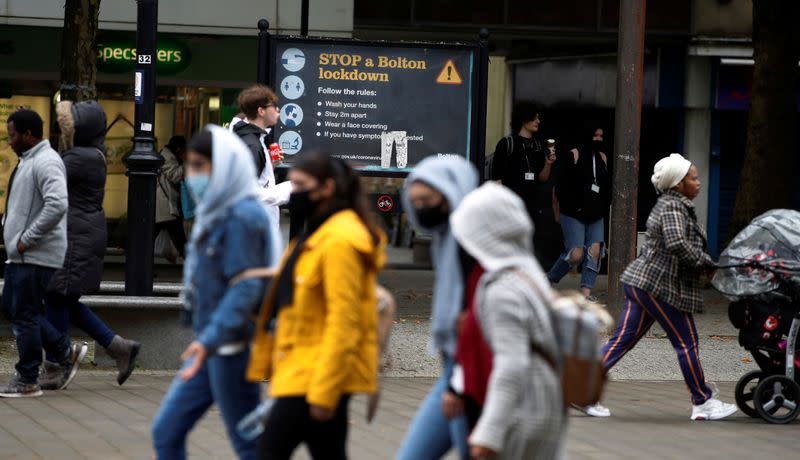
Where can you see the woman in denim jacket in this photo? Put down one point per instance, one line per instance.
(230, 246)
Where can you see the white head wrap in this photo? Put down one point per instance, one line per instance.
(669, 172)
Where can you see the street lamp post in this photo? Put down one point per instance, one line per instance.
(304, 18)
(263, 52)
(143, 163)
(627, 127)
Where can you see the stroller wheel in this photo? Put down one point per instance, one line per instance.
(745, 391)
(777, 399)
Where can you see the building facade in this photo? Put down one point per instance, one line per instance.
(207, 52)
(558, 53)
(562, 55)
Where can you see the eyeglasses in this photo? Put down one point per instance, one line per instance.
(277, 107)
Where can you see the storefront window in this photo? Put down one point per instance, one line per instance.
(120, 116)
(8, 159)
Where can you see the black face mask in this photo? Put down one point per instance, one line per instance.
(431, 217)
(597, 146)
(301, 206)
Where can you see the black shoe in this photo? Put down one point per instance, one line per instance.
(16, 388)
(69, 366)
(124, 353)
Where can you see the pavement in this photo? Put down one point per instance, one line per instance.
(652, 359)
(96, 419)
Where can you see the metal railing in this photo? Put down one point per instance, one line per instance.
(111, 295)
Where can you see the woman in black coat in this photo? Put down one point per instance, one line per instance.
(83, 127)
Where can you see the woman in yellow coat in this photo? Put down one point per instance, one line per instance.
(321, 312)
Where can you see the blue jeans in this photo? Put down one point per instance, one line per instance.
(578, 235)
(65, 310)
(220, 380)
(23, 306)
(430, 435)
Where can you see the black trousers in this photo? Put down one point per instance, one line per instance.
(289, 424)
(175, 230)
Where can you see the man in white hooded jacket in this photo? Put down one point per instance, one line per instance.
(260, 113)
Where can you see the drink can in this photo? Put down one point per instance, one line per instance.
(275, 152)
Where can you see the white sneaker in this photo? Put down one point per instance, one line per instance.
(713, 409)
(595, 410)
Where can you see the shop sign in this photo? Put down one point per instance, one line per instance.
(120, 56)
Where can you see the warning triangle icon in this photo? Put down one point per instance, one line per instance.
(449, 75)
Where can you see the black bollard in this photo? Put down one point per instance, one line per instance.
(143, 163)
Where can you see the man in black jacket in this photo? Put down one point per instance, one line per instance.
(260, 105)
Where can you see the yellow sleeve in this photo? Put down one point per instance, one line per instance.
(343, 283)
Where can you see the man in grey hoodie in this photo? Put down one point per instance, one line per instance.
(35, 235)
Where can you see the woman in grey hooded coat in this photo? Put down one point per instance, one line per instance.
(523, 416)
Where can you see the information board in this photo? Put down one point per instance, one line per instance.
(383, 107)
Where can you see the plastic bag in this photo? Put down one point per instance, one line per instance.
(163, 246)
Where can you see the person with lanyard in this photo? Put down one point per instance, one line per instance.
(231, 248)
(583, 190)
(321, 311)
(663, 284)
(522, 163)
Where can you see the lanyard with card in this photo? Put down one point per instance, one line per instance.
(595, 187)
(530, 174)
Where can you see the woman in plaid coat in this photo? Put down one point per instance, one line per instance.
(662, 285)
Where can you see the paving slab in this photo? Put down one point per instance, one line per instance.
(97, 419)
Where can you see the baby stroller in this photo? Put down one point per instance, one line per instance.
(760, 273)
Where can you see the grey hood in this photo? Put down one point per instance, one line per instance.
(494, 227)
(454, 177)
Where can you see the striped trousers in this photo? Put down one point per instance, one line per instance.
(641, 310)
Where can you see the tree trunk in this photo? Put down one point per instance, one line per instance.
(79, 50)
(767, 172)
